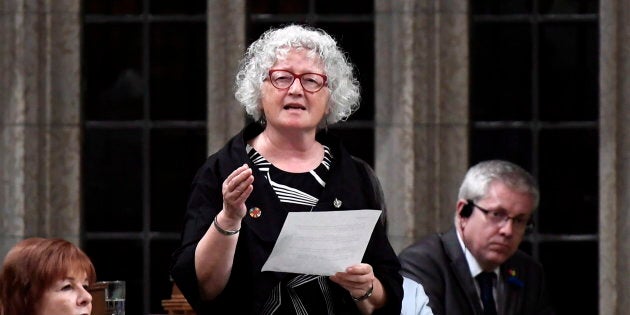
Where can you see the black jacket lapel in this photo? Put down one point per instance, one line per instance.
(461, 270)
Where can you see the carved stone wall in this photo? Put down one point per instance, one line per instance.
(421, 148)
(39, 120)
(614, 157)
(226, 44)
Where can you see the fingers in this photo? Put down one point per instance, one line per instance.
(238, 181)
(356, 278)
(236, 189)
(359, 269)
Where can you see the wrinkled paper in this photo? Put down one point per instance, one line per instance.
(323, 242)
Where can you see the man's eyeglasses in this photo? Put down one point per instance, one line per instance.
(500, 218)
(283, 79)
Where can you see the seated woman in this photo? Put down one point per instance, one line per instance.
(46, 277)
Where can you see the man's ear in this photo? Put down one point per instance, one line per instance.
(463, 213)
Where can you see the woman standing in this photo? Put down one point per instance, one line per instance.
(293, 81)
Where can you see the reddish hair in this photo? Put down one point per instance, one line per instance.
(32, 266)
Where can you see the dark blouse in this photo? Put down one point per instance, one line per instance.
(340, 183)
(299, 293)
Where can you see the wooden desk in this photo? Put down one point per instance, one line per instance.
(177, 304)
(98, 298)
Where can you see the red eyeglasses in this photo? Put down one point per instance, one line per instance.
(283, 79)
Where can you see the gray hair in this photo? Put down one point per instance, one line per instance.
(480, 176)
(275, 43)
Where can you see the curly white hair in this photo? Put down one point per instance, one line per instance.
(273, 44)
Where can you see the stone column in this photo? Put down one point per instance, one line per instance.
(421, 112)
(39, 120)
(614, 157)
(226, 42)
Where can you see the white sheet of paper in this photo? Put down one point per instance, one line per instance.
(322, 243)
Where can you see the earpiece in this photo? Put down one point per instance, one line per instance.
(467, 209)
(466, 212)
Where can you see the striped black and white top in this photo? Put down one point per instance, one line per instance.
(296, 191)
(298, 294)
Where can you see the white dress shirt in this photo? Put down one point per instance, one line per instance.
(415, 301)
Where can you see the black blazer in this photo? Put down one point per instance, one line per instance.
(439, 264)
(248, 288)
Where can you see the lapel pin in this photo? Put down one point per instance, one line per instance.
(337, 203)
(513, 278)
(255, 212)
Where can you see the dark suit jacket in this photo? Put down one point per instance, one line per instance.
(439, 264)
(248, 288)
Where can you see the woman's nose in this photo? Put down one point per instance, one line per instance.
(84, 297)
(296, 87)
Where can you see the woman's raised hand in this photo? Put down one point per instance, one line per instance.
(236, 189)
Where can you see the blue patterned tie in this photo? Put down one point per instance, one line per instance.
(485, 280)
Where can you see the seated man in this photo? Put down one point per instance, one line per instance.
(476, 267)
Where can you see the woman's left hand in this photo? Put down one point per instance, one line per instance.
(357, 279)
